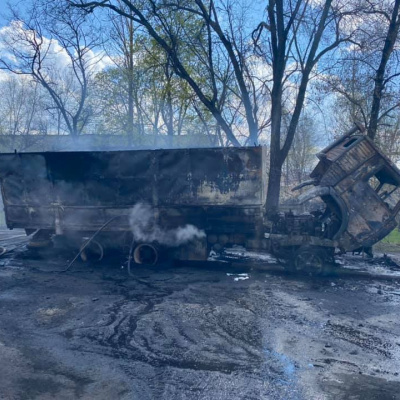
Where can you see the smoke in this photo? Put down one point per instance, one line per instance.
(145, 229)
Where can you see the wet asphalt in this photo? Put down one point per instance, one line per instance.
(209, 331)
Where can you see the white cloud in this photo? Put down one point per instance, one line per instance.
(4, 75)
(15, 36)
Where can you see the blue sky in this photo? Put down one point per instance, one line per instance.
(4, 8)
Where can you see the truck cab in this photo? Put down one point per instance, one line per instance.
(360, 190)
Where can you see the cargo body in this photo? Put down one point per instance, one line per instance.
(220, 190)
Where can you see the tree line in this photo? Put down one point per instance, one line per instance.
(284, 73)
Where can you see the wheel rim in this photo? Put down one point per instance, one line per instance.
(93, 252)
(145, 254)
(309, 261)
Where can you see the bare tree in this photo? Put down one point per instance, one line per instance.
(122, 49)
(162, 21)
(301, 157)
(298, 35)
(366, 76)
(381, 79)
(34, 46)
(20, 105)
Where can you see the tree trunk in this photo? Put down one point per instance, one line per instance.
(130, 127)
(275, 163)
(169, 116)
(387, 50)
(74, 132)
(274, 185)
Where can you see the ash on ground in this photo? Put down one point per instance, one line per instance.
(215, 331)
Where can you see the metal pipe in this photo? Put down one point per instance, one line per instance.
(90, 239)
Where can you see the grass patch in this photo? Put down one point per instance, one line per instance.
(393, 237)
(390, 244)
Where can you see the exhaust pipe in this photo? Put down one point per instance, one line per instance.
(145, 253)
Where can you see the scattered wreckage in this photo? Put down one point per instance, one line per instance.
(189, 201)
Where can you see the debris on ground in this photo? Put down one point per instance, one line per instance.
(97, 334)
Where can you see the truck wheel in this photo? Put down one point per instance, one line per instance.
(310, 259)
(40, 240)
(93, 252)
(145, 253)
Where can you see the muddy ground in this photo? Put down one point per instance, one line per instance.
(192, 332)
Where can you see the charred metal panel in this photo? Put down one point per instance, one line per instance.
(349, 161)
(355, 156)
(85, 189)
(358, 227)
(340, 147)
(333, 175)
(372, 165)
(358, 175)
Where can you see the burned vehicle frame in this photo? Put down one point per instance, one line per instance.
(360, 190)
(221, 191)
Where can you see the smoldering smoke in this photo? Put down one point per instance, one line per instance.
(145, 229)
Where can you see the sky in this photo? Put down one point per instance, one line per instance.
(4, 9)
(57, 54)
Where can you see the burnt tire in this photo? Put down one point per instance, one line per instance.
(310, 260)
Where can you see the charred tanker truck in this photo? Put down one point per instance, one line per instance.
(201, 199)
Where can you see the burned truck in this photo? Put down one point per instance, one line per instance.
(218, 194)
(359, 188)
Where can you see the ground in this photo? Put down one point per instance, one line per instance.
(214, 331)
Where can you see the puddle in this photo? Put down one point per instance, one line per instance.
(239, 277)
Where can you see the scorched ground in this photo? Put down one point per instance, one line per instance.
(192, 332)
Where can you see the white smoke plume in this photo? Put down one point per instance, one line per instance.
(145, 229)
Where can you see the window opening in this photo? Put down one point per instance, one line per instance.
(385, 186)
(350, 142)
